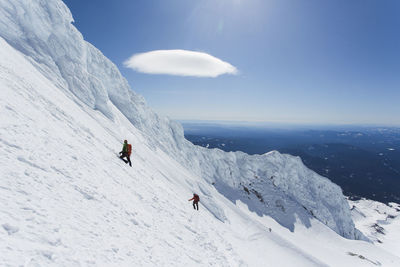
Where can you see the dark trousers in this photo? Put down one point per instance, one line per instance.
(125, 155)
(195, 203)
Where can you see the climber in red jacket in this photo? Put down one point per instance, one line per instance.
(196, 200)
(126, 153)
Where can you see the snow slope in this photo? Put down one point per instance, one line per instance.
(43, 32)
(66, 199)
(379, 222)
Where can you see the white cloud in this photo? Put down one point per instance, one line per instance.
(179, 62)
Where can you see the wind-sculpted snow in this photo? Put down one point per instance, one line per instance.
(271, 184)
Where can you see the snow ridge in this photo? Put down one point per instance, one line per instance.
(272, 184)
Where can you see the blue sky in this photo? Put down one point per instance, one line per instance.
(302, 61)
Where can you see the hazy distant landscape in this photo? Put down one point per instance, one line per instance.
(364, 161)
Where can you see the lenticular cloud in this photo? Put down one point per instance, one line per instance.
(179, 62)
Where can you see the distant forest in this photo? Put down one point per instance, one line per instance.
(363, 161)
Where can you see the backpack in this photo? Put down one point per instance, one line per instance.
(129, 149)
(196, 197)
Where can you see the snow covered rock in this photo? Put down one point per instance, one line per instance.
(379, 222)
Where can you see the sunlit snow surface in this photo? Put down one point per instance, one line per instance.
(379, 222)
(66, 198)
(43, 32)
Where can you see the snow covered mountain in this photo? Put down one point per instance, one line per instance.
(66, 199)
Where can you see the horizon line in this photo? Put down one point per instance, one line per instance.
(241, 122)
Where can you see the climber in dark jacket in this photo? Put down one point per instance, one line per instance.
(126, 153)
(196, 200)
